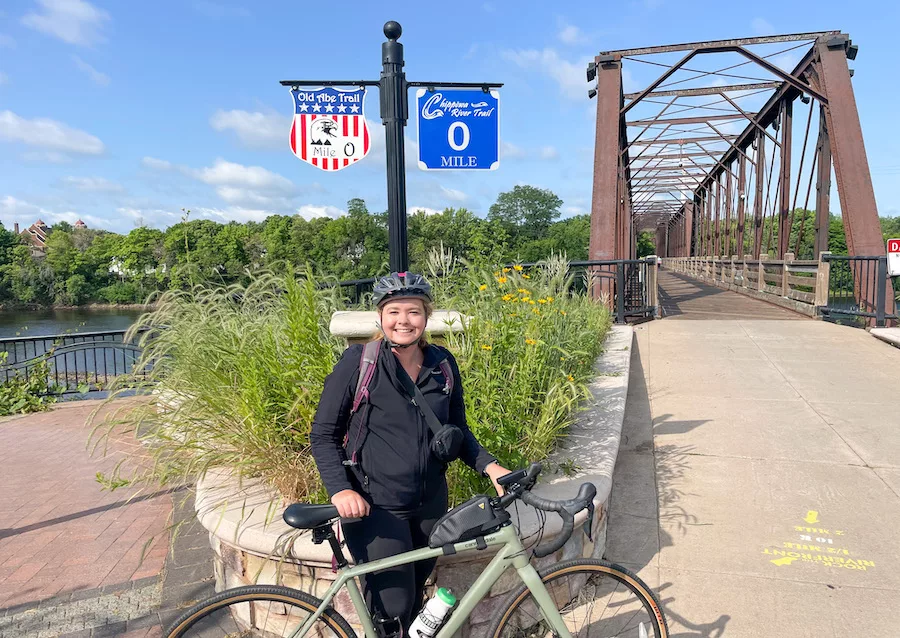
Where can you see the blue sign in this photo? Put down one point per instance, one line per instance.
(458, 130)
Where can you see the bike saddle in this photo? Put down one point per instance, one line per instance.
(306, 516)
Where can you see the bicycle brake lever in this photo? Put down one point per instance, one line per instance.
(589, 522)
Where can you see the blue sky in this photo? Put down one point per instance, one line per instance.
(122, 113)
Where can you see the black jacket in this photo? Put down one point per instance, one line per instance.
(395, 467)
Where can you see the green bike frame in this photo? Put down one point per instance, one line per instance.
(511, 554)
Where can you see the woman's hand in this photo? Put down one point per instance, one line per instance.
(495, 471)
(350, 504)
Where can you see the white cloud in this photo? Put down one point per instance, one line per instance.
(232, 213)
(570, 76)
(7, 41)
(570, 34)
(549, 153)
(761, 26)
(509, 151)
(229, 174)
(412, 210)
(309, 211)
(571, 211)
(96, 76)
(257, 130)
(72, 21)
(454, 195)
(47, 133)
(94, 184)
(786, 61)
(14, 210)
(156, 164)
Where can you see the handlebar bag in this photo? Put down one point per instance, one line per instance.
(464, 522)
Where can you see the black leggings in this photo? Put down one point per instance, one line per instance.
(396, 592)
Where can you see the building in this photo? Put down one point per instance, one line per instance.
(36, 237)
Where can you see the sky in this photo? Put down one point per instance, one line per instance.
(124, 113)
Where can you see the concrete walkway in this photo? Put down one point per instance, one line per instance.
(758, 485)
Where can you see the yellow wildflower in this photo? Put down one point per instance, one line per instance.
(562, 358)
(522, 291)
(542, 301)
(497, 274)
(515, 314)
(482, 287)
(570, 378)
(530, 342)
(562, 312)
(526, 299)
(501, 280)
(486, 347)
(535, 311)
(506, 270)
(507, 297)
(549, 299)
(531, 301)
(518, 267)
(525, 277)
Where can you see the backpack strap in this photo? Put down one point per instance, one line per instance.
(447, 371)
(367, 365)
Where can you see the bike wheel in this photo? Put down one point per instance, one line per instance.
(594, 598)
(263, 611)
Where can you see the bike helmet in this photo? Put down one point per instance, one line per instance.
(400, 284)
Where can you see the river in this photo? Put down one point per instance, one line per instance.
(34, 323)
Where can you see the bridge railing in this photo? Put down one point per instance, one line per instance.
(831, 286)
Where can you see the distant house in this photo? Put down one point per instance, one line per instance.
(80, 224)
(36, 237)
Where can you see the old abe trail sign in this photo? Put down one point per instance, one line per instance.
(329, 129)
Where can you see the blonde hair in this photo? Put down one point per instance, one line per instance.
(429, 310)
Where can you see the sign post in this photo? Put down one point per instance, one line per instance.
(394, 102)
(893, 257)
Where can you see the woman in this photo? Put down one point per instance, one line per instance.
(389, 482)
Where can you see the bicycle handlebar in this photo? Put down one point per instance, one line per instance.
(521, 482)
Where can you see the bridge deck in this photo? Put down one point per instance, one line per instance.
(758, 485)
(681, 297)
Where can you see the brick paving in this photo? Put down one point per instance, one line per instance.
(70, 553)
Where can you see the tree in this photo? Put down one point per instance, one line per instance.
(646, 244)
(527, 209)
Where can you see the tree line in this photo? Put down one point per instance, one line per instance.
(82, 266)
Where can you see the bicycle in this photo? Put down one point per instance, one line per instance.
(558, 601)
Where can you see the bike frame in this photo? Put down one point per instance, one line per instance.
(511, 554)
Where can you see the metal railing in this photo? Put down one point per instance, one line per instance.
(631, 276)
(858, 287)
(91, 359)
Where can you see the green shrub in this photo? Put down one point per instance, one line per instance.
(237, 373)
(121, 292)
(525, 357)
(23, 396)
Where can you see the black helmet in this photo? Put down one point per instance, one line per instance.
(401, 284)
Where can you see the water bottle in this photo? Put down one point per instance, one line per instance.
(432, 615)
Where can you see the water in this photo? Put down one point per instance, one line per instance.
(35, 323)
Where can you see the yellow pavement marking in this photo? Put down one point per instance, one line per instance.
(812, 516)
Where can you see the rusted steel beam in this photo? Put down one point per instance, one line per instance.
(607, 145)
(742, 200)
(784, 236)
(751, 117)
(687, 46)
(729, 223)
(759, 181)
(700, 119)
(823, 186)
(680, 155)
(717, 244)
(688, 229)
(680, 140)
(709, 90)
(851, 166)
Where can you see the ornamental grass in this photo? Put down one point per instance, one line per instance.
(236, 373)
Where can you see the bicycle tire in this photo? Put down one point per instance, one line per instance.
(587, 567)
(258, 593)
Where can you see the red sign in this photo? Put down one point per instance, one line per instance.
(893, 257)
(893, 245)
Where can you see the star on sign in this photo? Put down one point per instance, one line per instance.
(316, 108)
(354, 109)
(342, 109)
(329, 108)
(304, 107)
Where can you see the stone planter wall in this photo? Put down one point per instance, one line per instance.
(252, 544)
